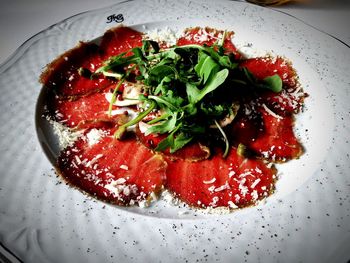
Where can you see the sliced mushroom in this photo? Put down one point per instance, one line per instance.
(130, 95)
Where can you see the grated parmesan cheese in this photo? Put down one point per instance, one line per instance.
(66, 137)
(94, 136)
(220, 210)
(247, 50)
(169, 198)
(165, 35)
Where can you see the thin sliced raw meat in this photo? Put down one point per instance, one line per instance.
(265, 66)
(267, 134)
(122, 172)
(62, 74)
(291, 98)
(276, 140)
(208, 36)
(118, 40)
(218, 182)
(83, 109)
(245, 128)
(284, 103)
(191, 152)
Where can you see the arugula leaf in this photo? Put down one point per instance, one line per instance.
(149, 47)
(173, 142)
(160, 118)
(190, 109)
(165, 143)
(179, 142)
(112, 63)
(273, 83)
(164, 126)
(169, 100)
(249, 76)
(194, 128)
(204, 66)
(215, 81)
(159, 72)
(192, 92)
(208, 69)
(138, 53)
(215, 110)
(162, 86)
(225, 61)
(195, 95)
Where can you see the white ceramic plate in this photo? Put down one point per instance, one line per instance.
(308, 219)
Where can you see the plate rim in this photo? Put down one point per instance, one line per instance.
(18, 53)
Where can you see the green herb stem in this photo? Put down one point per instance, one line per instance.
(222, 40)
(114, 95)
(121, 130)
(160, 118)
(227, 144)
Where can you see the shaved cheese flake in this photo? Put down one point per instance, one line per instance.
(124, 167)
(271, 112)
(223, 187)
(209, 181)
(231, 173)
(232, 205)
(255, 183)
(255, 195)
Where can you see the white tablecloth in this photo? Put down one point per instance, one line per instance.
(21, 19)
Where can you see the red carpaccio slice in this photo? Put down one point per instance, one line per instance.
(265, 66)
(118, 40)
(291, 98)
(62, 74)
(265, 125)
(112, 170)
(208, 36)
(84, 109)
(268, 135)
(276, 141)
(220, 182)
